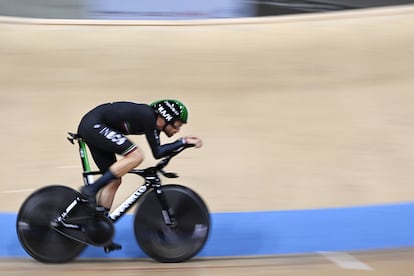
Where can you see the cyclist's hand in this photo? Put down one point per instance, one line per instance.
(193, 140)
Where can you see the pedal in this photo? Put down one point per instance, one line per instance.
(112, 247)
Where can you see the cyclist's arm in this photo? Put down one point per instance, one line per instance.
(158, 150)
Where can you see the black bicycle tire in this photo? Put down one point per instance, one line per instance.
(36, 236)
(187, 239)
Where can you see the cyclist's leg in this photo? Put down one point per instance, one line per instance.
(103, 159)
(103, 152)
(107, 194)
(104, 143)
(129, 161)
(120, 167)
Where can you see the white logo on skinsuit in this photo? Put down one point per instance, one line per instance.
(113, 136)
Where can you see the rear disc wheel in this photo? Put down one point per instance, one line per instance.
(35, 234)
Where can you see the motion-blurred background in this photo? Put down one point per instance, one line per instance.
(178, 9)
(296, 112)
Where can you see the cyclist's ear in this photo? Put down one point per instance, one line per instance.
(160, 123)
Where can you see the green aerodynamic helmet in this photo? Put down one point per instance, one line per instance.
(171, 110)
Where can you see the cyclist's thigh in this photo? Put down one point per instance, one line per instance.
(104, 142)
(103, 159)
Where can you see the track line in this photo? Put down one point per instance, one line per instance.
(345, 260)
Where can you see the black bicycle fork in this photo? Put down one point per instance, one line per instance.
(167, 212)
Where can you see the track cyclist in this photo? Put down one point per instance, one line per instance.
(104, 130)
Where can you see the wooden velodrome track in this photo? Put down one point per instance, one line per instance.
(296, 112)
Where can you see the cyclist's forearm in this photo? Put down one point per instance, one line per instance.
(167, 149)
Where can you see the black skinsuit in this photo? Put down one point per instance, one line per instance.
(104, 129)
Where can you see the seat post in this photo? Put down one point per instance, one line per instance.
(83, 154)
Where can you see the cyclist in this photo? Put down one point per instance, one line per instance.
(104, 130)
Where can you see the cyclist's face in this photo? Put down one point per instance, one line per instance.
(170, 130)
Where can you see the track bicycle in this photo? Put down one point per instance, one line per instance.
(171, 224)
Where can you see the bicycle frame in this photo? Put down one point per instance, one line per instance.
(150, 175)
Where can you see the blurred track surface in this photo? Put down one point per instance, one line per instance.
(296, 112)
